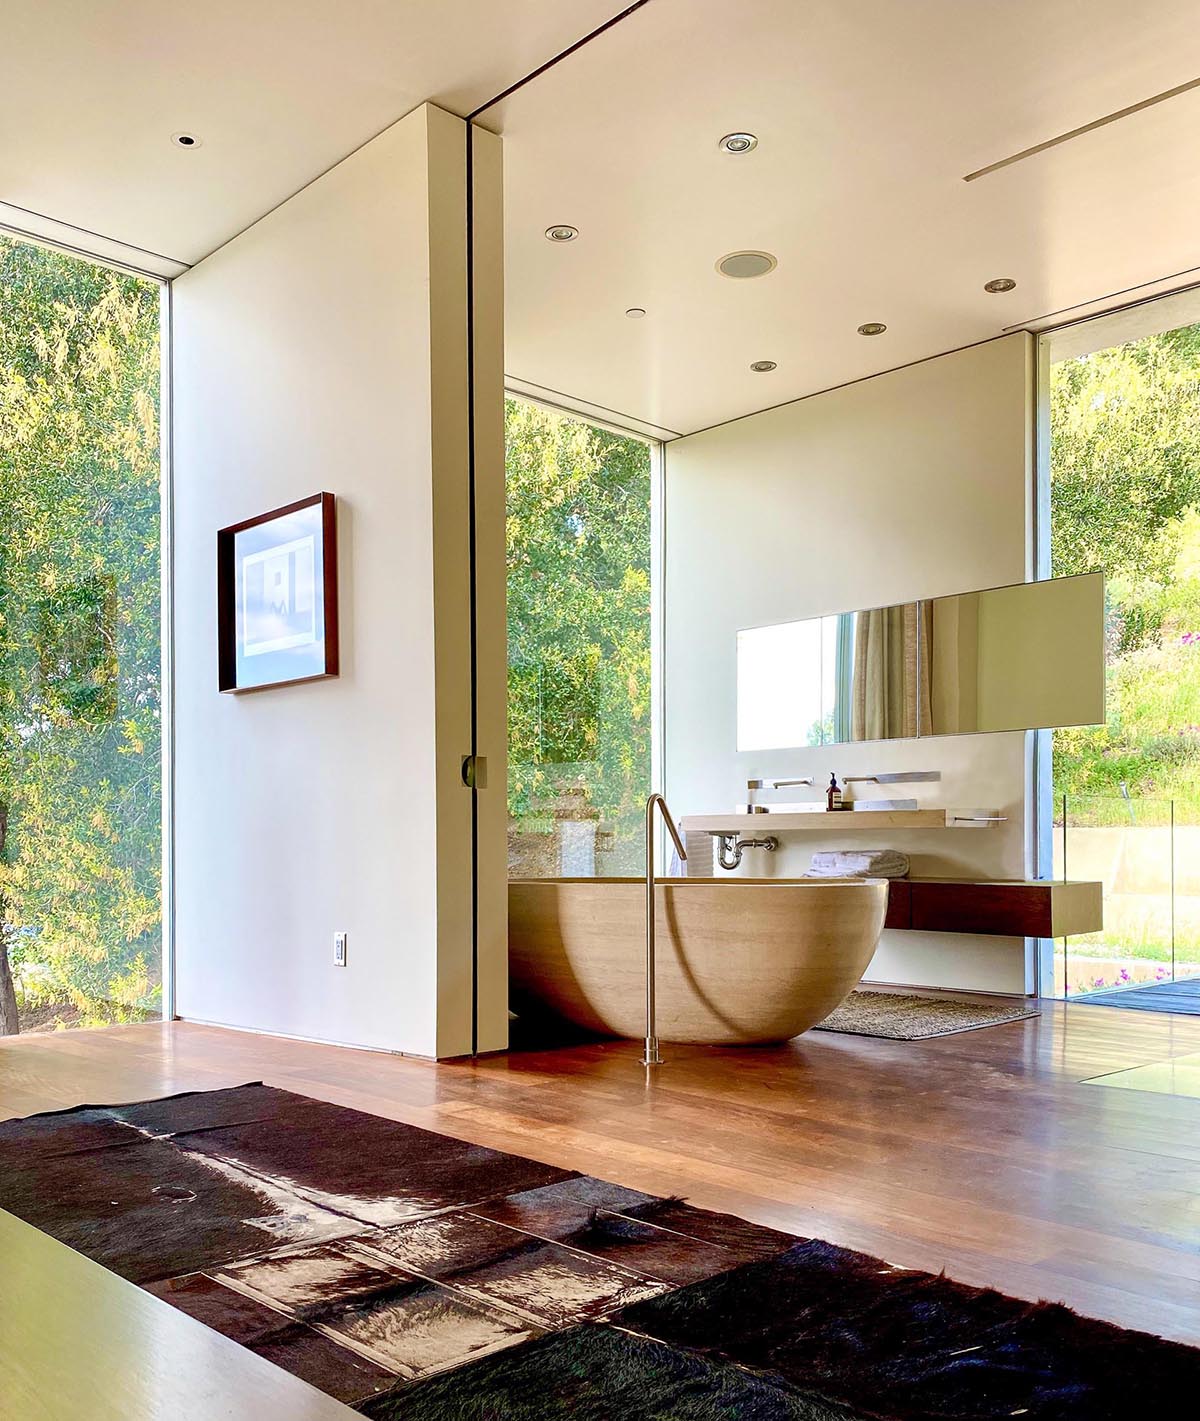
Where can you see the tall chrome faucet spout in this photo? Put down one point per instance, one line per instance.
(652, 1056)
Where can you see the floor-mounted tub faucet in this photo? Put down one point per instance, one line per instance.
(652, 1057)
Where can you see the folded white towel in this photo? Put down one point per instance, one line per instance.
(858, 863)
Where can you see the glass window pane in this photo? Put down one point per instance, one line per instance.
(1125, 498)
(579, 630)
(80, 655)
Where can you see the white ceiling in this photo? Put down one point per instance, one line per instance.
(278, 90)
(869, 113)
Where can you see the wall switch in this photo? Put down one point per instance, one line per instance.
(339, 949)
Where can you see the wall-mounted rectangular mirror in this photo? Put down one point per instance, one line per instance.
(1025, 657)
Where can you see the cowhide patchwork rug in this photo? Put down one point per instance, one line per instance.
(416, 1276)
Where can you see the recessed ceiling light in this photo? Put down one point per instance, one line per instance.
(738, 142)
(743, 265)
(635, 313)
(185, 140)
(999, 284)
(560, 232)
(760, 367)
(872, 328)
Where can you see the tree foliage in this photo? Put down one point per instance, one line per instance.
(80, 687)
(578, 545)
(1125, 497)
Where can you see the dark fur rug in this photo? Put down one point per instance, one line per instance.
(909, 1345)
(420, 1277)
(598, 1373)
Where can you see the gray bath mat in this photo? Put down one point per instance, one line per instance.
(901, 1017)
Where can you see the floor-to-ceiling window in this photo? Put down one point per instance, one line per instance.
(1124, 496)
(81, 693)
(580, 619)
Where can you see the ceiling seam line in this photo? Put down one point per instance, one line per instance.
(90, 232)
(557, 59)
(1127, 112)
(595, 404)
(847, 384)
(1112, 296)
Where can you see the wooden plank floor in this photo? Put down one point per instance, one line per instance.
(983, 1154)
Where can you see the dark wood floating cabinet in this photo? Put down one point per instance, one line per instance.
(998, 908)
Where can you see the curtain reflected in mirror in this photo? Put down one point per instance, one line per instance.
(887, 699)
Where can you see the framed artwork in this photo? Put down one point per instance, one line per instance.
(277, 620)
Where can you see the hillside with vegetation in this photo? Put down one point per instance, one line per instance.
(1125, 488)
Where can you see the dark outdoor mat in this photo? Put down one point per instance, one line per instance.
(903, 1016)
(416, 1276)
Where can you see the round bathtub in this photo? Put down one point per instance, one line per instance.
(740, 960)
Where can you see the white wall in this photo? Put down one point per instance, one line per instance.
(325, 348)
(911, 484)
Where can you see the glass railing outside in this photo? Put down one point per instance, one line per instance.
(1146, 853)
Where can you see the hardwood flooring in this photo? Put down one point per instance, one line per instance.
(987, 1154)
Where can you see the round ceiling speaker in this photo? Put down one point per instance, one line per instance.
(744, 265)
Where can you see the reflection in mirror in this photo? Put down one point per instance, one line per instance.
(828, 680)
(779, 690)
(877, 672)
(1025, 657)
(1017, 658)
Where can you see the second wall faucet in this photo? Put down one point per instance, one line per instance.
(898, 777)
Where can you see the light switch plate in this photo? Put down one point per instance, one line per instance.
(339, 949)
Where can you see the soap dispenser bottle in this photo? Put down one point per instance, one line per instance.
(833, 795)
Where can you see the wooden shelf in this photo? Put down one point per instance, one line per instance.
(997, 907)
(822, 821)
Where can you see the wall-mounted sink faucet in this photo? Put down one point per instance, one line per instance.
(751, 785)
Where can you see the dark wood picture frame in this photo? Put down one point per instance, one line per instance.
(227, 600)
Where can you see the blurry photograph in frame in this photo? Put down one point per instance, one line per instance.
(277, 597)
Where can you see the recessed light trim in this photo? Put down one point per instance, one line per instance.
(561, 232)
(186, 140)
(744, 266)
(999, 284)
(872, 328)
(738, 143)
(760, 367)
(635, 313)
